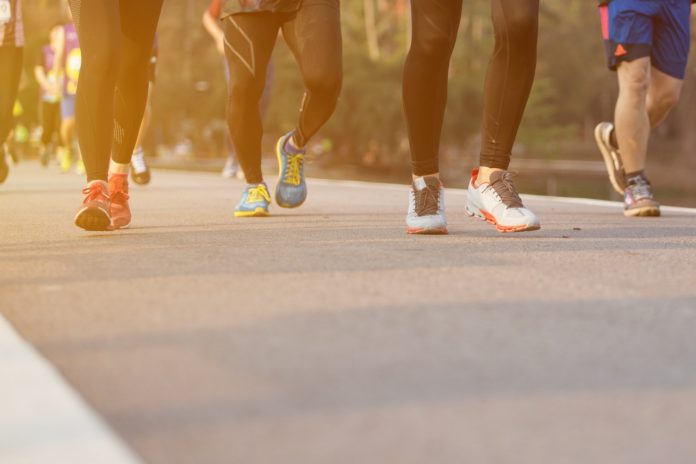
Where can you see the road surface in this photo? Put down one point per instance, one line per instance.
(327, 335)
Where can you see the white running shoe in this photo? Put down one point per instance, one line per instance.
(611, 155)
(426, 209)
(499, 204)
(140, 171)
(231, 169)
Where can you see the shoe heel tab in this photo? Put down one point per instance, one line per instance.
(474, 174)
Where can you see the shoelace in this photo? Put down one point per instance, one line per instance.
(138, 161)
(640, 188)
(258, 193)
(427, 200)
(118, 193)
(505, 188)
(293, 169)
(93, 193)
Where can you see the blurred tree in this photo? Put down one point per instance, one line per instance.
(572, 92)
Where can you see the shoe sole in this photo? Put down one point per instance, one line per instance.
(488, 217)
(93, 219)
(279, 202)
(257, 213)
(647, 211)
(608, 160)
(426, 231)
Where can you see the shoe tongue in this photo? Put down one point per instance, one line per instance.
(429, 181)
(497, 176)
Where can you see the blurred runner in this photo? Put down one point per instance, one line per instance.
(492, 195)
(139, 170)
(211, 22)
(51, 92)
(11, 56)
(647, 42)
(116, 37)
(312, 30)
(67, 66)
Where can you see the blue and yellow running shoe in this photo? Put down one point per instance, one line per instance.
(255, 201)
(291, 190)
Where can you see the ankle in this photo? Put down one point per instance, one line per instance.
(484, 175)
(118, 168)
(416, 177)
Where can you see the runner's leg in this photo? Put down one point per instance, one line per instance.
(98, 26)
(434, 33)
(492, 195)
(314, 36)
(247, 67)
(138, 27)
(11, 64)
(510, 78)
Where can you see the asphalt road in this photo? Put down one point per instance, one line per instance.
(327, 335)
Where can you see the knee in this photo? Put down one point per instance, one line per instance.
(521, 28)
(244, 91)
(134, 61)
(634, 79)
(103, 60)
(325, 82)
(433, 45)
(666, 99)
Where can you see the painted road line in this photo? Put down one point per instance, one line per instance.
(461, 191)
(42, 420)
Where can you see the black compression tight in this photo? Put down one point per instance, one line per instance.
(116, 38)
(314, 36)
(11, 65)
(508, 82)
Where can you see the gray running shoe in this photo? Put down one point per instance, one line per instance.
(638, 198)
(611, 155)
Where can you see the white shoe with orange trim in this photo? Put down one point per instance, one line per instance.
(498, 203)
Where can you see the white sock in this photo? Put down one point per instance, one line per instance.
(118, 168)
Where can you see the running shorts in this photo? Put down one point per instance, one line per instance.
(658, 29)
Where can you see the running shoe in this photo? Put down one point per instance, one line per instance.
(426, 207)
(291, 190)
(94, 213)
(80, 167)
(120, 211)
(499, 204)
(638, 198)
(46, 155)
(140, 171)
(611, 155)
(231, 169)
(255, 201)
(65, 159)
(4, 168)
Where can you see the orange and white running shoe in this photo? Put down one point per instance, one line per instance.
(120, 211)
(498, 203)
(94, 213)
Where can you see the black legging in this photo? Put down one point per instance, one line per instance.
(116, 38)
(314, 35)
(508, 83)
(11, 65)
(50, 121)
